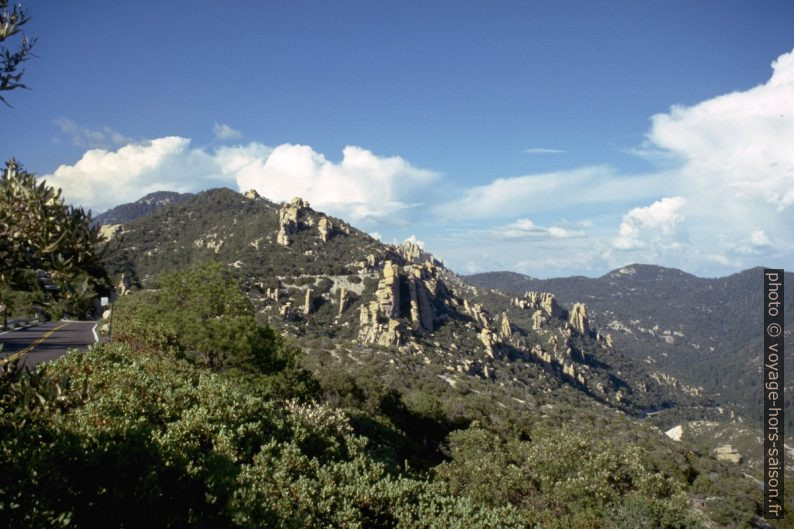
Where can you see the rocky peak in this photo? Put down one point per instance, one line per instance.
(506, 329)
(289, 217)
(379, 320)
(540, 300)
(578, 318)
(251, 194)
(410, 250)
(344, 299)
(308, 302)
(325, 227)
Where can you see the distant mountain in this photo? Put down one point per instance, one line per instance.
(707, 332)
(143, 206)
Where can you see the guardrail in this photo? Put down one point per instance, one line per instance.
(17, 323)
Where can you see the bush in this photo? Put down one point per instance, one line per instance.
(199, 313)
(140, 439)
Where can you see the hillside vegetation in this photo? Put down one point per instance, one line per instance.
(167, 427)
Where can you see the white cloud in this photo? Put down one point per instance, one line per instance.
(361, 187)
(721, 162)
(738, 145)
(416, 241)
(225, 132)
(91, 138)
(102, 178)
(758, 238)
(652, 223)
(559, 190)
(754, 243)
(525, 229)
(543, 150)
(722, 201)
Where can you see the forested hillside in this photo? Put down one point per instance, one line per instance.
(707, 332)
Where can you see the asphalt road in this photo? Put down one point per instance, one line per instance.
(46, 341)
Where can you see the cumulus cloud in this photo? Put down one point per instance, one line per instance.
(721, 162)
(739, 143)
(360, 187)
(652, 223)
(753, 243)
(225, 132)
(91, 138)
(103, 178)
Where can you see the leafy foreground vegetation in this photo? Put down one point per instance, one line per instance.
(197, 417)
(49, 254)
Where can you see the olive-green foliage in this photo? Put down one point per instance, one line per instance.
(170, 428)
(565, 479)
(201, 314)
(46, 247)
(122, 438)
(11, 22)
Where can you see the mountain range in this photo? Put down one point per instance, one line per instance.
(705, 331)
(639, 351)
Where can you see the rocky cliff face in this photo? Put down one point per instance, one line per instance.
(578, 318)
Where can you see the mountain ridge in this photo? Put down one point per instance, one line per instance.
(699, 329)
(301, 265)
(145, 205)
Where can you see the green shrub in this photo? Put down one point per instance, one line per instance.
(139, 439)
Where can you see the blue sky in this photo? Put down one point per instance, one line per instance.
(550, 138)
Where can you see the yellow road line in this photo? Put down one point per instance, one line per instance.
(18, 354)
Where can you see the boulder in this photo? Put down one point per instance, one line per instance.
(286, 311)
(124, 285)
(325, 227)
(538, 320)
(728, 453)
(549, 303)
(344, 299)
(489, 340)
(108, 231)
(308, 302)
(675, 432)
